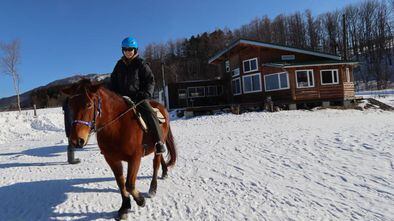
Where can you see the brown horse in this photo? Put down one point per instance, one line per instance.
(119, 136)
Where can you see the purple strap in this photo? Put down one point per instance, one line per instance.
(89, 124)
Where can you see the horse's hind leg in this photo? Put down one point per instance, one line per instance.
(132, 171)
(153, 184)
(163, 168)
(117, 169)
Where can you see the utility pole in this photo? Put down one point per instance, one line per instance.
(164, 85)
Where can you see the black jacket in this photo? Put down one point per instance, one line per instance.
(133, 79)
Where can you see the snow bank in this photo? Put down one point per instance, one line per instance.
(25, 126)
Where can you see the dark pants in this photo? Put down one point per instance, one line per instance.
(148, 114)
(67, 118)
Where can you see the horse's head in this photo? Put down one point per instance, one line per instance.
(85, 106)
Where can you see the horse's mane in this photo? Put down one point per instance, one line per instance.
(86, 84)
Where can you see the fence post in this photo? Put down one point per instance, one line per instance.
(35, 110)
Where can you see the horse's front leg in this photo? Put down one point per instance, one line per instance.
(132, 171)
(153, 184)
(117, 169)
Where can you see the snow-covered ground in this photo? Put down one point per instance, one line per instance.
(289, 165)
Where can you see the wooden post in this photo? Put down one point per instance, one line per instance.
(35, 110)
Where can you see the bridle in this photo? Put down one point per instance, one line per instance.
(97, 112)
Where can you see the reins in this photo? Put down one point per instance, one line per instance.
(118, 117)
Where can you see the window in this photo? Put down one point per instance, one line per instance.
(329, 77)
(227, 65)
(235, 72)
(347, 75)
(236, 86)
(277, 81)
(196, 91)
(250, 65)
(211, 91)
(182, 94)
(305, 78)
(252, 83)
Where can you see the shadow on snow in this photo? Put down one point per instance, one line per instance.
(49, 151)
(38, 200)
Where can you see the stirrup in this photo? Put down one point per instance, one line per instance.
(160, 149)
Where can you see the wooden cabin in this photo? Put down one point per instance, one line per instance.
(199, 93)
(256, 70)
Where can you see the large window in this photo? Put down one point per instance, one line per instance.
(305, 78)
(277, 81)
(236, 86)
(250, 65)
(211, 90)
(196, 91)
(329, 76)
(252, 83)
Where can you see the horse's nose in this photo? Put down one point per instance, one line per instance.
(81, 142)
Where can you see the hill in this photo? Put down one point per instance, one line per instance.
(48, 95)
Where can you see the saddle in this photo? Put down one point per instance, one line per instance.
(142, 122)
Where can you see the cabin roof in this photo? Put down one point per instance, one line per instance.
(273, 46)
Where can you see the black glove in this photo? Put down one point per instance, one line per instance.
(142, 95)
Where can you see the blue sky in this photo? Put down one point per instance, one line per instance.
(60, 38)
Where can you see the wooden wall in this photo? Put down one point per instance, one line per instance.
(342, 90)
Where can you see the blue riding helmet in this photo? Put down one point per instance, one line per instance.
(129, 42)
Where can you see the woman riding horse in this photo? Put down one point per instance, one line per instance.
(120, 136)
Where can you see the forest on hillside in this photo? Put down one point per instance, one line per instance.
(361, 32)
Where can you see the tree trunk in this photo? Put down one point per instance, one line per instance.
(16, 87)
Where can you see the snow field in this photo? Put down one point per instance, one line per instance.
(289, 165)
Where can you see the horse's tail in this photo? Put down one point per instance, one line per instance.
(171, 148)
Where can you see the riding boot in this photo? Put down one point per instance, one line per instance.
(153, 125)
(70, 155)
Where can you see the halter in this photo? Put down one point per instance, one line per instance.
(96, 113)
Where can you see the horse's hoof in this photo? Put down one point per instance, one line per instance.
(140, 201)
(164, 176)
(123, 214)
(152, 193)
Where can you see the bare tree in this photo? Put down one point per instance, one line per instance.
(9, 62)
(279, 29)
